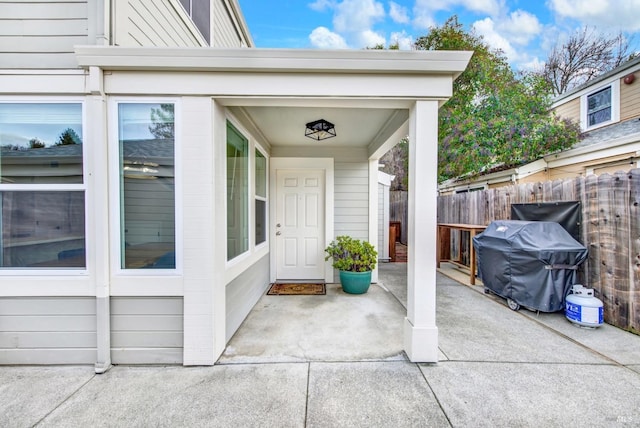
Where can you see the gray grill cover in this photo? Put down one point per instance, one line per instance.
(533, 263)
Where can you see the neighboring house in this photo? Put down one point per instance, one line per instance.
(192, 185)
(608, 110)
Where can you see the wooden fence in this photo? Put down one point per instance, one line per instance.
(610, 229)
(398, 212)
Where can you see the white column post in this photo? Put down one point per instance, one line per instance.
(421, 333)
(373, 210)
(200, 327)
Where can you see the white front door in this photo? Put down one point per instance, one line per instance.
(299, 224)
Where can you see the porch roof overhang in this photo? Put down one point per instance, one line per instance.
(450, 63)
(367, 94)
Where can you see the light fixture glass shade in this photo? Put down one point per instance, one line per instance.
(320, 130)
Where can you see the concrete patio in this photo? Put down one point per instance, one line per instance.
(337, 360)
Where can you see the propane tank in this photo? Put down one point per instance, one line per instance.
(582, 308)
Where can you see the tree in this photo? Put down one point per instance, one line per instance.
(68, 137)
(163, 120)
(584, 55)
(36, 143)
(494, 117)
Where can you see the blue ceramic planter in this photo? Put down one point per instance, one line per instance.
(355, 282)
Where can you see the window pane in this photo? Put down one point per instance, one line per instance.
(43, 229)
(147, 185)
(237, 193)
(599, 107)
(261, 220)
(40, 143)
(261, 175)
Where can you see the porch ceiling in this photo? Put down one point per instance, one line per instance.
(355, 127)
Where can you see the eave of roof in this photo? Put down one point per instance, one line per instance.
(273, 60)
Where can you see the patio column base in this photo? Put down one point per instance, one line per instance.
(420, 343)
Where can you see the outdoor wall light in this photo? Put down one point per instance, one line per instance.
(320, 130)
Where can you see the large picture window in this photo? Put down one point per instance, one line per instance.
(237, 193)
(146, 134)
(41, 186)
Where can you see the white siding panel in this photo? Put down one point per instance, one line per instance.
(225, 34)
(153, 23)
(41, 34)
(351, 210)
(34, 27)
(47, 330)
(146, 330)
(244, 292)
(53, 44)
(43, 10)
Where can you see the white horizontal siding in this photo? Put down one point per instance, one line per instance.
(225, 33)
(351, 209)
(244, 292)
(153, 23)
(146, 330)
(42, 34)
(47, 330)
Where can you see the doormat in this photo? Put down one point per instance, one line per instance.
(292, 289)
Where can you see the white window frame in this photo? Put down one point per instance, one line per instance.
(615, 106)
(13, 272)
(143, 282)
(238, 264)
(265, 198)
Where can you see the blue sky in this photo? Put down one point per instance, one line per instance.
(524, 29)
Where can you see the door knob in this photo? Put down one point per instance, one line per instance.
(278, 233)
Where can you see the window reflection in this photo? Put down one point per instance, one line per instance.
(147, 192)
(40, 145)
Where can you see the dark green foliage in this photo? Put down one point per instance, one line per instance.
(351, 254)
(163, 122)
(494, 117)
(68, 137)
(35, 143)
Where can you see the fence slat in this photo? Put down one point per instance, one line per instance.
(610, 229)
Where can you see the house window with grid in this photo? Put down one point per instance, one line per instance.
(599, 107)
(42, 189)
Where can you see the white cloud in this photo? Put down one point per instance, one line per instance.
(369, 38)
(404, 41)
(486, 28)
(398, 14)
(520, 27)
(613, 14)
(425, 10)
(355, 16)
(321, 5)
(323, 38)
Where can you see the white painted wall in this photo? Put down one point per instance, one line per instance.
(146, 330)
(153, 23)
(42, 34)
(225, 27)
(352, 199)
(47, 330)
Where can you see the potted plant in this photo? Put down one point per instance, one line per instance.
(355, 259)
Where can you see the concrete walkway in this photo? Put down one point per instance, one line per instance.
(337, 361)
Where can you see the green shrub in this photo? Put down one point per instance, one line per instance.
(351, 254)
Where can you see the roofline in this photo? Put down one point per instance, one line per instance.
(273, 60)
(622, 69)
